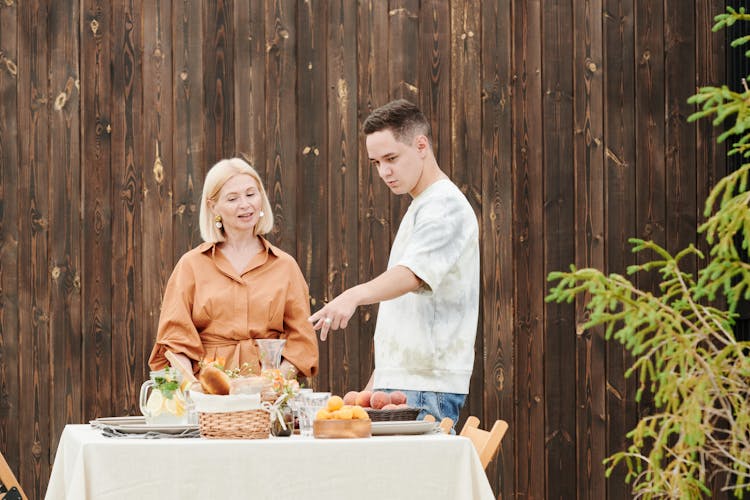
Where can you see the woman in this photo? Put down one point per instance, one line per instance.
(235, 287)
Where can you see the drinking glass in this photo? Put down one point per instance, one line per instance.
(309, 404)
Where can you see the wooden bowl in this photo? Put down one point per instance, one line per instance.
(341, 428)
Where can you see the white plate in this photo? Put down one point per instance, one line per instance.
(402, 427)
(138, 425)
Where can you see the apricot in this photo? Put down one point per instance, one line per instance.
(359, 413)
(379, 399)
(363, 399)
(350, 398)
(343, 414)
(334, 403)
(398, 397)
(323, 414)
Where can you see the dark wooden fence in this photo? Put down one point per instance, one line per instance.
(564, 122)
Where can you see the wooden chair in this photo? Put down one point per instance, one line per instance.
(10, 486)
(486, 443)
(445, 425)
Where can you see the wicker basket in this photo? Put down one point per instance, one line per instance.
(239, 421)
(250, 424)
(392, 415)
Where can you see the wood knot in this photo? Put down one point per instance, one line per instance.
(60, 101)
(158, 171)
(55, 273)
(9, 65)
(94, 26)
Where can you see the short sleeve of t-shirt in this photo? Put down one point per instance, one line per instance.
(440, 234)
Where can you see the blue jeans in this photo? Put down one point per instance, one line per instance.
(437, 404)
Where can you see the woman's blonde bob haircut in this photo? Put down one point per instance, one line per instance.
(215, 180)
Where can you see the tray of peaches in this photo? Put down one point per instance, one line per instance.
(383, 406)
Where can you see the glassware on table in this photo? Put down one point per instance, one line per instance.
(270, 352)
(308, 405)
(296, 402)
(163, 401)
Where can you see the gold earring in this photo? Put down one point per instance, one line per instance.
(217, 222)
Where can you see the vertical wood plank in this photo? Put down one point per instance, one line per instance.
(435, 75)
(559, 245)
(10, 200)
(188, 139)
(403, 37)
(374, 196)
(589, 63)
(34, 294)
(651, 208)
(343, 227)
(218, 79)
(710, 59)
(314, 244)
(528, 248)
(620, 195)
(249, 82)
(127, 153)
(497, 235)
(679, 61)
(281, 116)
(96, 89)
(403, 61)
(64, 244)
(711, 164)
(156, 176)
(465, 163)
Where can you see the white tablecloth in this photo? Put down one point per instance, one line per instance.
(431, 466)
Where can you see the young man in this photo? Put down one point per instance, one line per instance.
(429, 296)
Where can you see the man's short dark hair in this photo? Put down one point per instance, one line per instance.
(402, 118)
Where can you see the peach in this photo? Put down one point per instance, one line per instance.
(390, 406)
(398, 398)
(363, 399)
(379, 399)
(350, 398)
(402, 405)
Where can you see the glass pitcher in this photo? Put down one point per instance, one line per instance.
(270, 353)
(163, 401)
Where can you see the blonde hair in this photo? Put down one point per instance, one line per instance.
(216, 177)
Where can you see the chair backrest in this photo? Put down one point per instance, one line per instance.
(485, 442)
(10, 485)
(445, 425)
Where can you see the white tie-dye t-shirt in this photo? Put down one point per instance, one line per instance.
(424, 340)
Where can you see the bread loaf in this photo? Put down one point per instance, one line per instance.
(214, 381)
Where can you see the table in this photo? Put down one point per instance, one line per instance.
(428, 466)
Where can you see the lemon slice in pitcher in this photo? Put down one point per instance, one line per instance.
(175, 406)
(155, 403)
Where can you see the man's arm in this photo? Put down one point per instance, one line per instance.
(391, 284)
